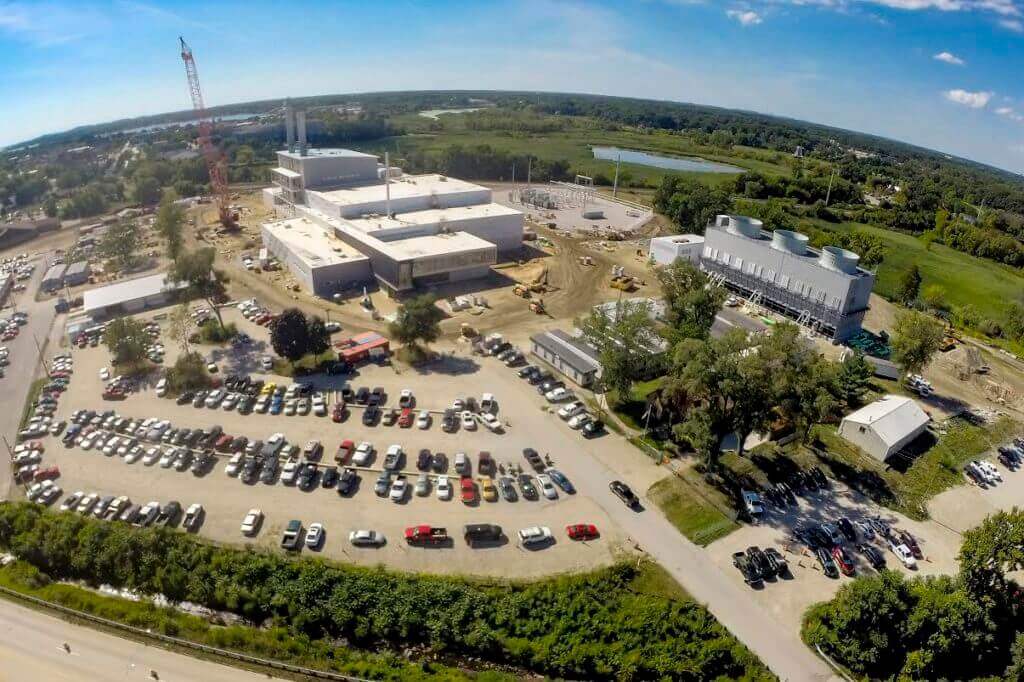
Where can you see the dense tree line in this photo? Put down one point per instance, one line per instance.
(589, 626)
(483, 162)
(887, 626)
(805, 189)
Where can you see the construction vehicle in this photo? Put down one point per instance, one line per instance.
(468, 331)
(586, 260)
(216, 164)
(538, 306)
(521, 291)
(623, 283)
(540, 284)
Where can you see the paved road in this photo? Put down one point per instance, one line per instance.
(31, 648)
(24, 365)
(777, 646)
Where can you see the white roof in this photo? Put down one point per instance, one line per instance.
(432, 216)
(311, 243)
(893, 418)
(401, 188)
(127, 290)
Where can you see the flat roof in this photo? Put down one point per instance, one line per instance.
(436, 245)
(128, 290)
(431, 216)
(316, 152)
(573, 352)
(311, 243)
(285, 172)
(401, 188)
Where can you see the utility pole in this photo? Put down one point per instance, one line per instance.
(615, 185)
(529, 168)
(828, 195)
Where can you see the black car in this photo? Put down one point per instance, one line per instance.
(873, 556)
(593, 428)
(186, 397)
(760, 562)
(550, 385)
(777, 563)
(750, 574)
(329, 477)
(347, 480)
(169, 513)
(534, 459)
(423, 460)
(820, 479)
(347, 394)
(438, 462)
(847, 529)
(827, 563)
(307, 476)
(362, 396)
(378, 395)
(624, 493)
(526, 485)
(371, 415)
(540, 377)
(449, 423)
(524, 372)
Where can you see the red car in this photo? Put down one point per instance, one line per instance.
(34, 445)
(338, 411)
(469, 495)
(223, 443)
(842, 560)
(405, 421)
(114, 394)
(49, 473)
(344, 451)
(582, 531)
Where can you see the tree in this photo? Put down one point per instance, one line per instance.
(319, 339)
(127, 340)
(179, 326)
(188, 373)
(915, 340)
(853, 379)
(120, 244)
(626, 341)
(689, 203)
(690, 305)
(290, 335)
(417, 320)
(50, 206)
(147, 190)
(909, 285)
(195, 268)
(169, 217)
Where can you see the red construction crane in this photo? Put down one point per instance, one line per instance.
(215, 162)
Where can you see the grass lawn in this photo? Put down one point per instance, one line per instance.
(287, 369)
(986, 285)
(693, 507)
(33, 393)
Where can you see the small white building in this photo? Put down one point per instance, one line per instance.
(885, 426)
(130, 296)
(667, 250)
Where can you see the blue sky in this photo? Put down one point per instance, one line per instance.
(944, 74)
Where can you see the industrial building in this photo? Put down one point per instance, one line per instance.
(667, 250)
(77, 273)
(570, 355)
(130, 296)
(409, 231)
(884, 427)
(825, 290)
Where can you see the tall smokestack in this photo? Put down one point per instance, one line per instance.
(387, 185)
(289, 126)
(301, 123)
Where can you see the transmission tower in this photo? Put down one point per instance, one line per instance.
(215, 163)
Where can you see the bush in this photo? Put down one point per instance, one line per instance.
(188, 374)
(588, 626)
(212, 333)
(990, 328)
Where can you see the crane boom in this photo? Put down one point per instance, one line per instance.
(215, 164)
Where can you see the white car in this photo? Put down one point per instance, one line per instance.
(290, 473)
(398, 489)
(571, 410)
(133, 455)
(405, 398)
(71, 501)
(35, 490)
(984, 473)
(490, 421)
(213, 400)
(903, 553)
(364, 451)
(468, 422)
(168, 458)
(558, 395)
(110, 447)
(262, 404)
(535, 535)
(234, 464)
(151, 456)
(458, 405)
(104, 374)
(251, 522)
(990, 469)
(488, 403)
(319, 405)
(366, 538)
(315, 535)
(444, 488)
(161, 388)
(148, 513)
(580, 420)
(86, 503)
(266, 363)
(547, 487)
(230, 402)
(290, 406)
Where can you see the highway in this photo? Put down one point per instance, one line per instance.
(31, 648)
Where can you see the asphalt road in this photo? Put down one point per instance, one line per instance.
(31, 648)
(25, 366)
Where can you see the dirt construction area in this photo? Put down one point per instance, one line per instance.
(226, 499)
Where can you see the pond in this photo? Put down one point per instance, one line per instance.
(692, 163)
(434, 113)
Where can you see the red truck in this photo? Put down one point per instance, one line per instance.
(425, 535)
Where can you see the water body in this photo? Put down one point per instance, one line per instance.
(692, 163)
(434, 113)
(175, 124)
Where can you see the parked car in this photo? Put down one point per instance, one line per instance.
(251, 522)
(872, 555)
(624, 493)
(366, 538)
(582, 531)
(547, 487)
(315, 535)
(828, 565)
(902, 552)
(535, 535)
(444, 488)
(291, 538)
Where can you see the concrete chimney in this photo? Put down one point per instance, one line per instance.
(289, 126)
(300, 117)
(387, 185)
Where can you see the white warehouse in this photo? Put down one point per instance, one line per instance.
(826, 289)
(667, 250)
(346, 220)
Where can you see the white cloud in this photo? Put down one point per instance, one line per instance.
(1010, 113)
(745, 17)
(974, 100)
(949, 58)
(1015, 25)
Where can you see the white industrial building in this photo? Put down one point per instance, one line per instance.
(884, 427)
(825, 290)
(667, 250)
(130, 296)
(409, 230)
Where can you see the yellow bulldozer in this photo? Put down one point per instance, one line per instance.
(521, 291)
(538, 306)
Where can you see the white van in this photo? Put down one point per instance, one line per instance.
(161, 388)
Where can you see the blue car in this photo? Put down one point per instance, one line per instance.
(276, 405)
(561, 481)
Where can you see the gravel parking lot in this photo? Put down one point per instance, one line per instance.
(227, 499)
(787, 598)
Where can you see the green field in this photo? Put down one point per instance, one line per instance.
(693, 507)
(986, 285)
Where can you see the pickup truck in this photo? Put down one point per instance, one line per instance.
(425, 535)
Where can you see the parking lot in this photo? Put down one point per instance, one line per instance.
(526, 423)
